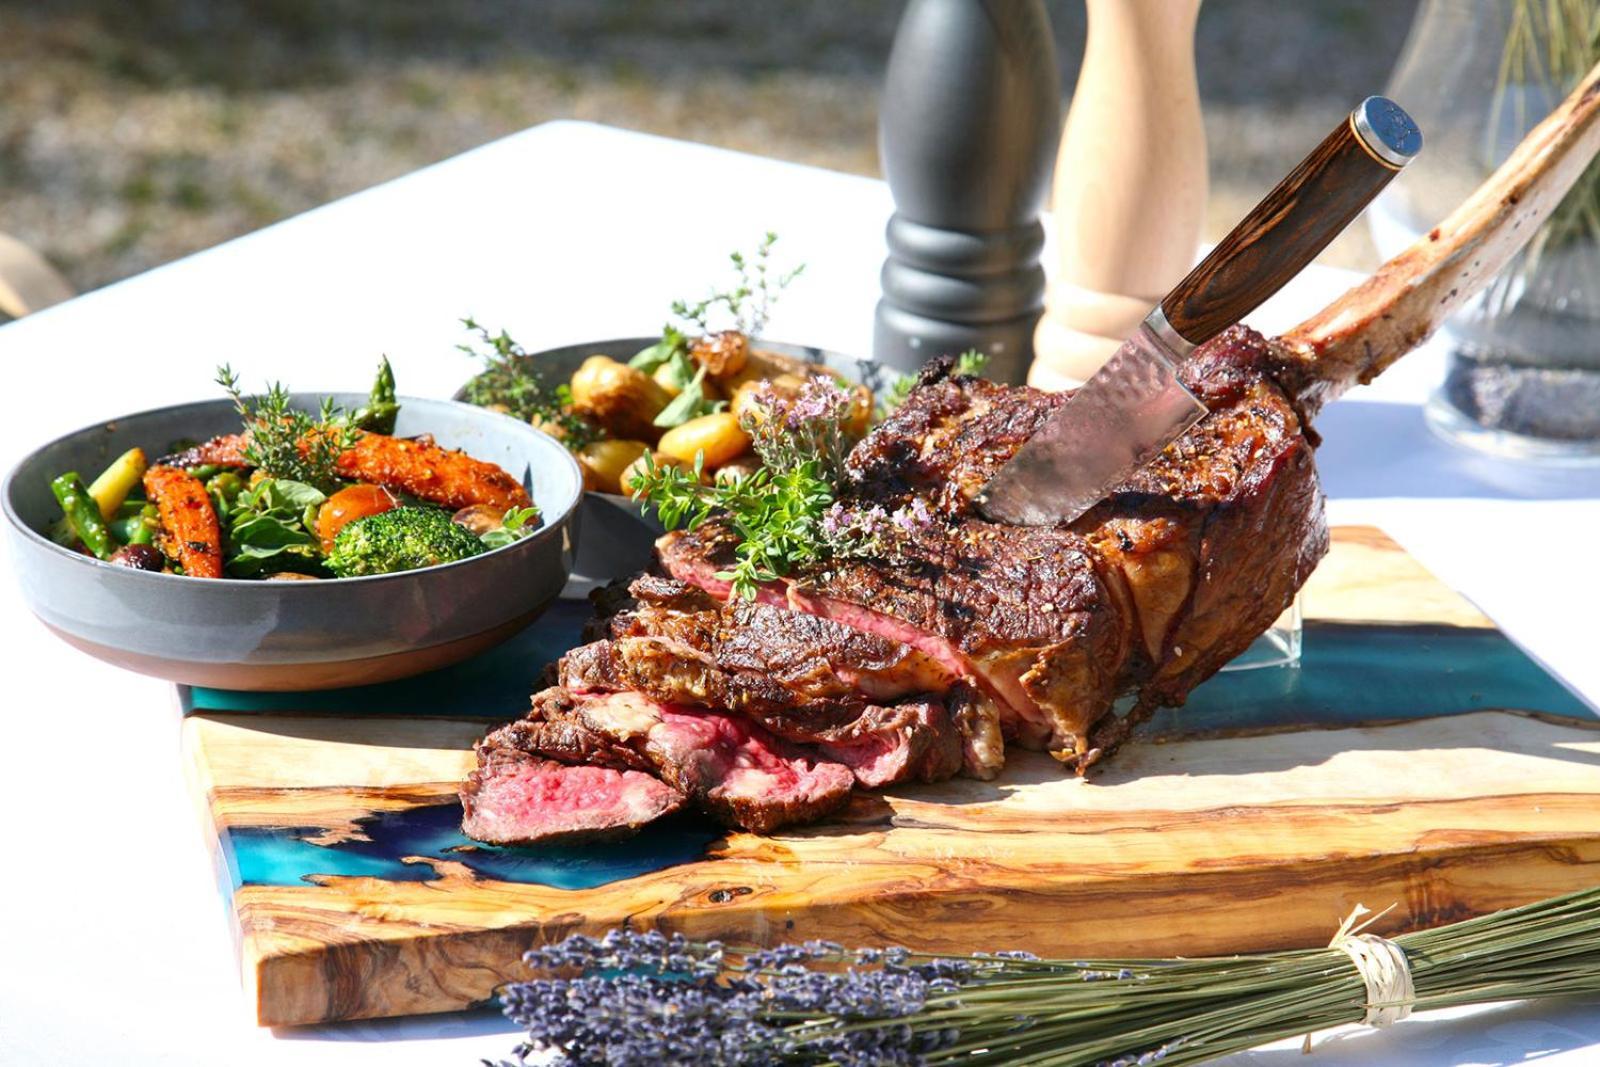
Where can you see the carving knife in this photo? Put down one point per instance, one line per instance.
(1135, 405)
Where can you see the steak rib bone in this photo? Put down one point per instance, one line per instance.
(1355, 338)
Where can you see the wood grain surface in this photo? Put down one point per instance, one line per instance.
(1189, 845)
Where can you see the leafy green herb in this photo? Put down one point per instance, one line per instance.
(287, 442)
(672, 348)
(748, 302)
(691, 403)
(517, 524)
(972, 363)
(671, 354)
(269, 526)
(511, 381)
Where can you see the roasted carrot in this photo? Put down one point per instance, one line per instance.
(224, 451)
(188, 521)
(428, 472)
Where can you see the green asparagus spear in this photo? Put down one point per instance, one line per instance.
(379, 413)
(83, 513)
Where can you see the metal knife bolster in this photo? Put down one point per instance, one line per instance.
(1118, 421)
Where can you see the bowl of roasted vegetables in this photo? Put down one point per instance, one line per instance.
(681, 398)
(294, 541)
(624, 404)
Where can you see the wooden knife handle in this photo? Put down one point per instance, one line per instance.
(1296, 221)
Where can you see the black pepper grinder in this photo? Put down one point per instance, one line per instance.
(967, 136)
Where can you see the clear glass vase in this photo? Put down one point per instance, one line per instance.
(1523, 370)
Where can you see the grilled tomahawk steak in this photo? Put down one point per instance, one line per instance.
(962, 632)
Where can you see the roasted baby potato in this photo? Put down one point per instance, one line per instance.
(723, 355)
(717, 437)
(607, 460)
(861, 406)
(740, 466)
(622, 399)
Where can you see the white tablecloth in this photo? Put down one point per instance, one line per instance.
(114, 943)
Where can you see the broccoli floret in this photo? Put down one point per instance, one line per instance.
(400, 539)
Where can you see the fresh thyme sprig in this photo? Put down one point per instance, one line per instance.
(511, 381)
(287, 442)
(777, 516)
(779, 511)
(749, 301)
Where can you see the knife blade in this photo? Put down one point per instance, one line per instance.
(1136, 404)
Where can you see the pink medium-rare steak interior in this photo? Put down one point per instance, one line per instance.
(734, 769)
(806, 678)
(514, 798)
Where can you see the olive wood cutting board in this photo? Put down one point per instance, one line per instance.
(1416, 758)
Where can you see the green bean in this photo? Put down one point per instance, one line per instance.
(83, 513)
(139, 528)
(123, 529)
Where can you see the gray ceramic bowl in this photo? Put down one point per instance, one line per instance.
(265, 635)
(618, 538)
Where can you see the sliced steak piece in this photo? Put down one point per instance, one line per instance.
(1152, 591)
(514, 798)
(565, 740)
(1026, 615)
(913, 740)
(815, 658)
(737, 771)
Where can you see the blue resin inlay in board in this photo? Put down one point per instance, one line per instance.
(1348, 673)
(286, 856)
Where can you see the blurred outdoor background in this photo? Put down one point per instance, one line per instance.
(133, 132)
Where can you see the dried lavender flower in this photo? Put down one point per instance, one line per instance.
(816, 1003)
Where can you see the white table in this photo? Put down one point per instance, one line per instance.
(114, 943)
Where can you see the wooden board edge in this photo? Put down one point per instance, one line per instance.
(455, 970)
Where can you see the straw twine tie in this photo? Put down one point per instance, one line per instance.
(1383, 968)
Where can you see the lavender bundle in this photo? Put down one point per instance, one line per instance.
(649, 998)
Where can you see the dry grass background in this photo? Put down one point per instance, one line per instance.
(133, 132)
